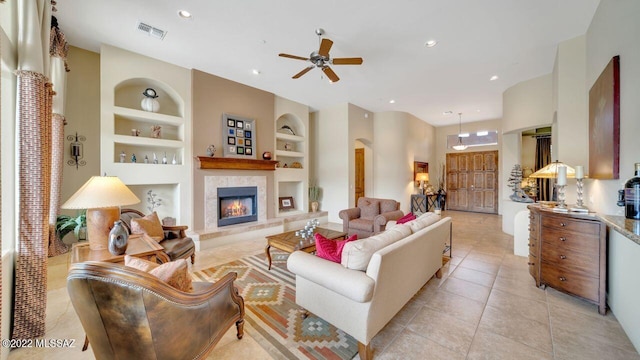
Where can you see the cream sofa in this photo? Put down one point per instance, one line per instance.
(393, 265)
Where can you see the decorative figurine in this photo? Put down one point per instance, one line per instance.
(164, 158)
(122, 156)
(155, 131)
(174, 160)
(133, 158)
(155, 158)
(146, 159)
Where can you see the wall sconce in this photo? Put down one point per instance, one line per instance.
(76, 150)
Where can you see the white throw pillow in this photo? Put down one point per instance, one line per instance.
(356, 254)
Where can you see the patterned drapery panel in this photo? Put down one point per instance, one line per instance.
(34, 141)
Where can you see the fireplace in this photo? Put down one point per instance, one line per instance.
(237, 205)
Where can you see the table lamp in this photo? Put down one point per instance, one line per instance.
(423, 178)
(550, 171)
(102, 196)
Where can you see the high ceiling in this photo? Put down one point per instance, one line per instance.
(513, 39)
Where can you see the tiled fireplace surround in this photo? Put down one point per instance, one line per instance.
(211, 185)
(213, 236)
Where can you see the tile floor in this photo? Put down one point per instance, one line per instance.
(486, 306)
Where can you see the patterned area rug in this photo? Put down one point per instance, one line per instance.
(272, 316)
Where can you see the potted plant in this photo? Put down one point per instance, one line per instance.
(314, 195)
(78, 224)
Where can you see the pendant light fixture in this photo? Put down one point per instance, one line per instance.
(460, 146)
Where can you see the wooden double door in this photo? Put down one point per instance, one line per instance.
(472, 181)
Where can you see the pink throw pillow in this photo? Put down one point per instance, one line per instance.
(408, 217)
(331, 249)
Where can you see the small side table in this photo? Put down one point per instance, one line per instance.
(140, 246)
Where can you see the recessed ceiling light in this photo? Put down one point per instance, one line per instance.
(184, 14)
(255, 72)
(392, 101)
(493, 78)
(431, 43)
(447, 112)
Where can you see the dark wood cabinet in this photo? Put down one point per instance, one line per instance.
(569, 253)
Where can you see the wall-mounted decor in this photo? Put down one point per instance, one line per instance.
(76, 150)
(419, 167)
(239, 135)
(604, 123)
(286, 203)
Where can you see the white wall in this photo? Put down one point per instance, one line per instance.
(330, 163)
(8, 63)
(623, 290)
(360, 135)
(614, 31)
(572, 107)
(400, 139)
(527, 105)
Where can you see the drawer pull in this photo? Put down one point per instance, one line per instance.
(562, 257)
(530, 245)
(562, 278)
(563, 224)
(562, 238)
(530, 263)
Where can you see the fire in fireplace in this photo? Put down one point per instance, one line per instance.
(237, 205)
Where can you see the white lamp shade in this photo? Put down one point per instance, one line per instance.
(551, 171)
(101, 192)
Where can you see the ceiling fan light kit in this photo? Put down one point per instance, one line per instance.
(321, 59)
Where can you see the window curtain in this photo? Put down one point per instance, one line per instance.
(58, 50)
(543, 157)
(34, 127)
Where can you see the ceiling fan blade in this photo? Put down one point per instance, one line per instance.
(293, 57)
(304, 71)
(330, 74)
(347, 61)
(325, 46)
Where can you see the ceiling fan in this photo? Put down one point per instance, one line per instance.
(322, 60)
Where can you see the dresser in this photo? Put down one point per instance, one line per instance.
(568, 252)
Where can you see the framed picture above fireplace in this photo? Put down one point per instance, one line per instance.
(286, 203)
(239, 137)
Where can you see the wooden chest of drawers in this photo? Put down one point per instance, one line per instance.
(569, 252)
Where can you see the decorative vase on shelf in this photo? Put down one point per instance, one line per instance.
(266, 155)
(118, 237)
(150, 103)
(314, 206)
(211, 150)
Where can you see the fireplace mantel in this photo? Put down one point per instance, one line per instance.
(207, 162)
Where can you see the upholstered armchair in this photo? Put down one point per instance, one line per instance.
(176, 243)
(370, 216)
(130, 314)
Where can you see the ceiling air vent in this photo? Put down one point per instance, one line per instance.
(151, 31)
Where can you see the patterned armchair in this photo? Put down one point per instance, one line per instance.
(370, 216)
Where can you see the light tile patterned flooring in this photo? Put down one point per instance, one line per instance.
(486, 306)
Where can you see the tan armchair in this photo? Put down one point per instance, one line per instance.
(129, 314)
(370, 216)
(176, 243)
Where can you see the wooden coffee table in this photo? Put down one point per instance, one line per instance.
(289, 242)
(140, 246)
